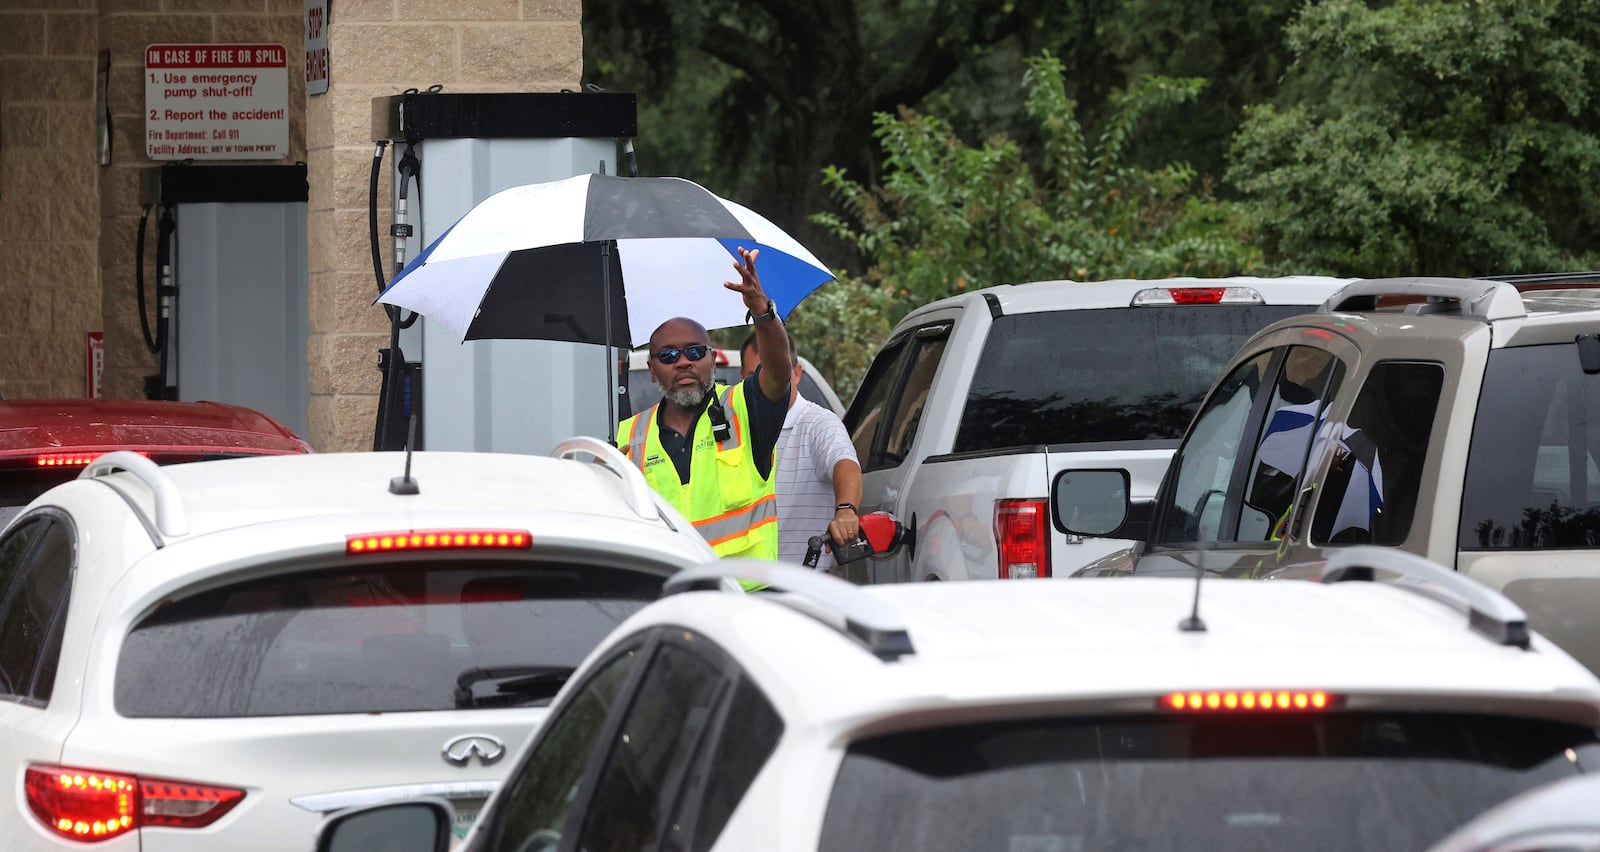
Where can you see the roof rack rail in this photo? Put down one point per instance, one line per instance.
(1483, 299)
(1552, 278)
(830, 600)
(1488, 612)
(635, 490)
(171, 520)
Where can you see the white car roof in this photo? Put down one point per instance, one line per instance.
(1087, 645)
(1119, 293)
(230, 493)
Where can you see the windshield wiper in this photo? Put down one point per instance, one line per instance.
(517, 685)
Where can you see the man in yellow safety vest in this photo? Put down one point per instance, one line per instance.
(707, 448)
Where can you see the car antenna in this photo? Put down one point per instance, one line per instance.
(405, 484)
(1193, 624)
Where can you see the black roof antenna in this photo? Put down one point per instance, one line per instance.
(1193, 624)
(405, 484)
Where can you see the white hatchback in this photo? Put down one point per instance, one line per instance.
(210, 656)
(1038, 717)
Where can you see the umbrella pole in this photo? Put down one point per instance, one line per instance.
(610, 362)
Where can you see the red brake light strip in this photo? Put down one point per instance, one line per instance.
(1248, 700)
(391, 542)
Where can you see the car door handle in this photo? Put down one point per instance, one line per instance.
(1298, 521)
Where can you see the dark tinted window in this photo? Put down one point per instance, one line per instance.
(750, 731)
(869, 408)
(1308, 379)
(36, 570)
(437, 635)
(927, 349)
(1120, 374)
(648, 759)
(1532, 479)
(53, 562)
(1204, 466)
(1370, 492)
(19, 487)
(538, 797)
(1303, 782)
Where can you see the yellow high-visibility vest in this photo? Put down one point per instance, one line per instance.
(732, 507)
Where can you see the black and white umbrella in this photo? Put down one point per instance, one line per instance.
(567, 259)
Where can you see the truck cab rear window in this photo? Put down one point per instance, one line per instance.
(381, 637)
(1117, 374)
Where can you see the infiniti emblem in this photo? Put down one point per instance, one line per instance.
(462, 749)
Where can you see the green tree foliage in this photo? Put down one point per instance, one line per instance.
(949, 216)
(1426, 137)
(754, 97)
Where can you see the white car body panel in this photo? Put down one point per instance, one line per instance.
(243, 516)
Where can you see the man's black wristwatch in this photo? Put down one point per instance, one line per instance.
(771, 314)
(850, 506)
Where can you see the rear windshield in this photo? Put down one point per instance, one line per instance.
(1329, 782)
(442, 635)
(1118, 374)
(1532, 479)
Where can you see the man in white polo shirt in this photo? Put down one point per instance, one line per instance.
(818, 476)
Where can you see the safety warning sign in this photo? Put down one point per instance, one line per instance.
(216, 101)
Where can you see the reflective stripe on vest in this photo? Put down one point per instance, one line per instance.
(726, 499)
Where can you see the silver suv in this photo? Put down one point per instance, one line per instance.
(1458, 419)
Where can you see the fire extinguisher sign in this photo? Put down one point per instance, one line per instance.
(216, 101)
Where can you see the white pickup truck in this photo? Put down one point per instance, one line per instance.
(977, 402)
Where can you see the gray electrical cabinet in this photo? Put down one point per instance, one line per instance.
(520, 396)
(239, 321)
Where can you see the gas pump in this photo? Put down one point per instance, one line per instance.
(448, 151)
(232, 321)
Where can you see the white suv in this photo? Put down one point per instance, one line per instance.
(209, 656)
(1457, 419)
(1039, 717)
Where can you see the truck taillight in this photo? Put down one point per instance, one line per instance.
(89, 805)
(1022, 536)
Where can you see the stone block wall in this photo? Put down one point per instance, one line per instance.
(49, 196)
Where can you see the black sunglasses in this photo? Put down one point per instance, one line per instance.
(695, 352)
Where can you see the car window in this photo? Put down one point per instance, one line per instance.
(388, 636)
(36, 566)
(532, 812)
(928, 348)
(1374, 475)
(651, 753)
(749, 731)
(1532, 479)
(1309, 378)
(1307, 782)
(868, 409)
(1204, 466)
(1118, 374)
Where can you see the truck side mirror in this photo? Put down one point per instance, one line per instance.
(1090, 502)
(414, 825)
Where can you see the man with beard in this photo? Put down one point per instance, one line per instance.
(708, 449)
